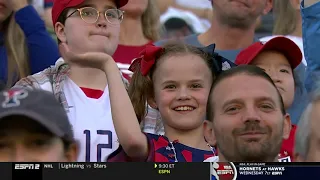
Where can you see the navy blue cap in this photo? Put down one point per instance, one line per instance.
(220, 63)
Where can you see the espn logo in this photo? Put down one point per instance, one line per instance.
(27, 166)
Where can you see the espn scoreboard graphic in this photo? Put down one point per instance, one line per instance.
(223, 171)
(160, 171)
(233, 171)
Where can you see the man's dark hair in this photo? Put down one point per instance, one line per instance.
(250, 70)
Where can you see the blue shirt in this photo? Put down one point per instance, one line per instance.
(42, 49)
(311, 43)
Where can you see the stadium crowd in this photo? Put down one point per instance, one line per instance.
(159, 80)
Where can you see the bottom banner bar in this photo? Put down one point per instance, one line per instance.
(160, 171)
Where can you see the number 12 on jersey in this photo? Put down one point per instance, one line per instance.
(107, 134)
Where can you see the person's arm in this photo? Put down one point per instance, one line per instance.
(133, 141)
(310, 12)
(43, 51)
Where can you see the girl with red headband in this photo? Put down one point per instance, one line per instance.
(176, 80)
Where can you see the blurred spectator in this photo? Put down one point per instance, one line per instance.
(140, 26)
(199, 13)
(308, 134)
(264, 26)
(199, 16)
(287, 22)
(25, 45)
(230, 21)
(34, 128)
(44, 8)
(177, 28)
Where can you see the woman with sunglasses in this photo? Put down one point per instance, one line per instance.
(84, 26)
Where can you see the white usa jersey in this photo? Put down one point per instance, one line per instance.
(92, 123)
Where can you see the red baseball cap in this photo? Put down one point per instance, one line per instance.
(280, 44)
(60, 5)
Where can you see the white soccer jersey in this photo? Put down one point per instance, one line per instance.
(92, 123)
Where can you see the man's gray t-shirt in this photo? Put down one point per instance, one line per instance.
(193, 40)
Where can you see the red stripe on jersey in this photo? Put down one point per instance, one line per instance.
(92, 93)
(206, 156)
(187, 155)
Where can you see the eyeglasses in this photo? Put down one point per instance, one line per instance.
(91, 15)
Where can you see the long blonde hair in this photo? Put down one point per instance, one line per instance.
(17, 51)
(151, 21)
(286, 17)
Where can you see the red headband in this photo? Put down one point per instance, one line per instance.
(146, 60)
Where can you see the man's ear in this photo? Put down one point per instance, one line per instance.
(268, 7)
(208, 133)
(286, 126)
(72, 153)
(60, 32)
(152, 103)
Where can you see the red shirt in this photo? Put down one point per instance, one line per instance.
(124, 56)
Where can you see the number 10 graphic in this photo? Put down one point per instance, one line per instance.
(106, 133)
